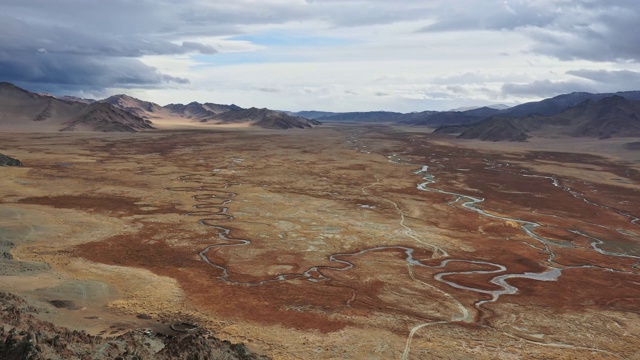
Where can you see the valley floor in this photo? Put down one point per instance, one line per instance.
(339, 242)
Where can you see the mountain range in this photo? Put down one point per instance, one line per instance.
(465, 116)
(578, 114)
(427, 118)
(596, 117)
(209, 113)
(21, 110)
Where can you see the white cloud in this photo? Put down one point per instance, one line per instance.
(405, 55)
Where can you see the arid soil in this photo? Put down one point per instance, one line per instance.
(330, 243)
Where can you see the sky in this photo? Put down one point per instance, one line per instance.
(331, 55)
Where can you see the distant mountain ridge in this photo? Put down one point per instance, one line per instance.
(268, 119)
(369, 116)
(426, 118)
(123, 101)
(466, 116)
(495, 106)
(562, 102)
(596, 117)
(22, 110)
(200, 112)
(310, 114)
(215, 114)
(450, 117)
(107, 118)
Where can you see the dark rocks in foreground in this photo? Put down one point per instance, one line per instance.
(9, 161)
(22, 336)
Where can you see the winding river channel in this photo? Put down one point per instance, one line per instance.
(212, 210)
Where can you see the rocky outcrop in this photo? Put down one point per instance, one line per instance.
(22, 336)
(9, 161)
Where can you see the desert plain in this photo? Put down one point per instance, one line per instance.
(337, 242)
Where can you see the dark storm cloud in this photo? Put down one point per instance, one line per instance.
(17, 35)
(611, 34)
(93, 45)
(49, 71)
(581, 29)
(97, 44)
(46, 57)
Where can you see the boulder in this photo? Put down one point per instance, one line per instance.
(9, 161)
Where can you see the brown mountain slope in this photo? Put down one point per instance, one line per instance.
(499, 129)
(21, 110)
(106, 118)
(135, 106)
(189, 114)
(193, 110)
(430, 118)
(219, 108)
(612, 116)
(265, 118)
(172, 113)
(24, 111)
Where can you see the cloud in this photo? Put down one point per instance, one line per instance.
(347, 54)
(580, 29)
(610, 80)
(608, 77)
(269, 89)
(602, 34)
(492, 15)
(48, 58)
(52, 72)
(546, 88)
(190, 46)
(21, 35)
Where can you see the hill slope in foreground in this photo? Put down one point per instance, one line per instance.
(22, 336)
